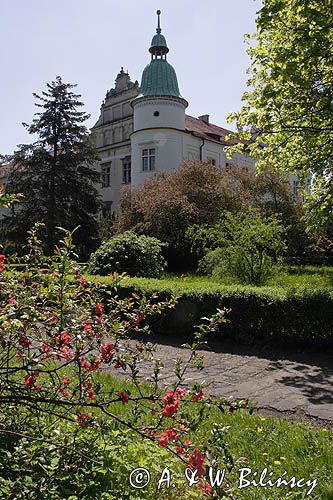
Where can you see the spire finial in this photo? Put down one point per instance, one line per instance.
(158, 29)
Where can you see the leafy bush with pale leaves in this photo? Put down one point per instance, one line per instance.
(136, 255)
(251, 248)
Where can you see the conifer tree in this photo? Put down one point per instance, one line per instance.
(55, 173)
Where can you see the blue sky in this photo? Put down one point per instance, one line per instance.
(86, 42)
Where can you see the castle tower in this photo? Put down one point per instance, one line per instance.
(159, 116)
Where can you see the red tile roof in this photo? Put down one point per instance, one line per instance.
(208, 130)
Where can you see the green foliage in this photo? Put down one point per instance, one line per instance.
(92, 464)
(72, 463)
(55, 173)
(136, 255)
(289, 100)
(249, 247)
(291, 310)
(198, 194)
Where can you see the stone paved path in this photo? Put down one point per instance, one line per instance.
(285, 383)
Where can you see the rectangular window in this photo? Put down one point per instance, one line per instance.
(148, 159)
(106, 174)
(212, 161)
(126, 170)
(295, 188)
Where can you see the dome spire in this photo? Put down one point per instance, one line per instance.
(158, 47)
(158, 29)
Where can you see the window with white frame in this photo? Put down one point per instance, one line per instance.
(148, 159)
(106, 175)
(127, 170)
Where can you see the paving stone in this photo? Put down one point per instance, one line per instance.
(288, 383)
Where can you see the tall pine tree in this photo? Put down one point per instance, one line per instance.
(55, 173)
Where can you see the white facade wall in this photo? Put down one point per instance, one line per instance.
(168, 144)
(173, 147)
(159, 113)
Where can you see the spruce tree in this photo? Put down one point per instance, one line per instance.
(55, 173)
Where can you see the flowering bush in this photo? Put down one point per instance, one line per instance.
(58, 330)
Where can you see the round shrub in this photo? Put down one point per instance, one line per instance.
(136, 255)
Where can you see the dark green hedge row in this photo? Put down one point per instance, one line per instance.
(266, 314)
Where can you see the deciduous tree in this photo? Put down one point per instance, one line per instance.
(290, 98)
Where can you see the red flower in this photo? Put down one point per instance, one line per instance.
(29, 381)
(90, 394)
(12, 301)
(196, 461)
(163, 440)
(170, 410)
(64, 392)
(172, 433)
(170, 404)
(106, 352)
(24, 342)
(205, 488)
(181, 393)
(2, 262)
(67, 353)
(63, 339)
(90, 366)
(82, 280)
(198, 396)
(87, 327)
(83, 420)
(138, 318)
(99, 309)
(123, 396)
(169, 398)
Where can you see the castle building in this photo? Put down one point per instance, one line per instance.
(143, 130)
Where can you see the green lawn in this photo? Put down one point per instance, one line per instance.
(295, 277)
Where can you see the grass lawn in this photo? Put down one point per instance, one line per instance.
(296, 277)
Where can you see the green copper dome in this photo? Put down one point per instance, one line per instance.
(159, 42)
(159, 78)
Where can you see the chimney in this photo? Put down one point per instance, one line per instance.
(204, 118)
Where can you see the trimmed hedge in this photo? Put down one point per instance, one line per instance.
(294, 316)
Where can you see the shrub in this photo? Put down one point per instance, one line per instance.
(56, 329)
(137, 255)
(251, 248)
(198, 193)
(298, 316)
